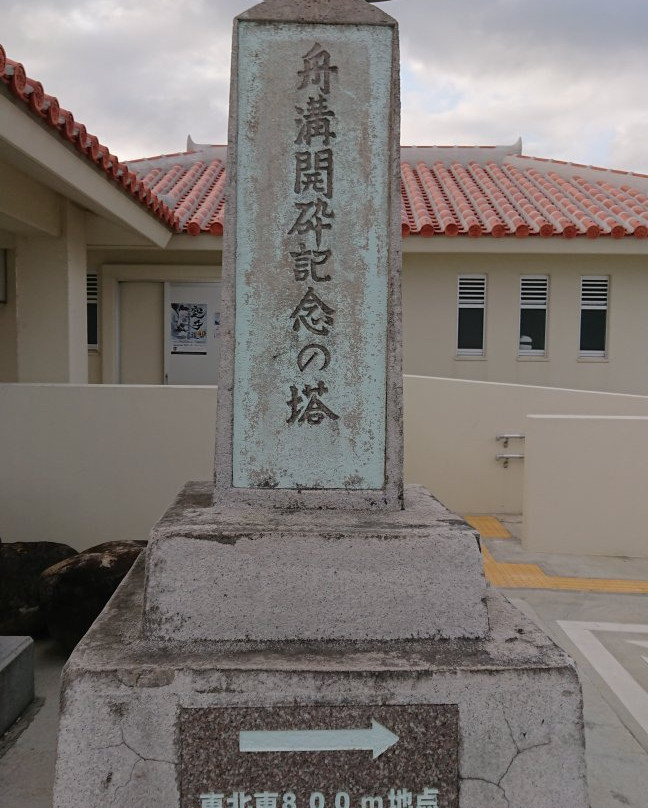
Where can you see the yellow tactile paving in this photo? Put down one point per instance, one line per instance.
(530, 576)
(488, 527)
(508, 575)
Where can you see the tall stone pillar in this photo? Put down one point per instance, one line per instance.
(52, 343)
(310, 401)
(297, 638)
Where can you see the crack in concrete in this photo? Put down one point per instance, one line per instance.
(514, 757)
(139, 759)
(126, 784)
(488, 783)
(517, 754)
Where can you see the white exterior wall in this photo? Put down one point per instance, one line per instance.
(84, 464)
(450, 430)
(430, 319)
(585, 485)
(51, 303)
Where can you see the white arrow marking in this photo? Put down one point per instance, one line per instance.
(378, 739)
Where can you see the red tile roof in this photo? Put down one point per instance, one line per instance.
(450, 191)
(46, 108)
(513, 195)
(192, 184)
(506, 196)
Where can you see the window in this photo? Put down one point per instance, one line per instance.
(471, 307)
(92, 297)
(594, 307)
(534, 294)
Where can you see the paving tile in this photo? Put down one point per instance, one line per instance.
(488, 527)
(509, 575)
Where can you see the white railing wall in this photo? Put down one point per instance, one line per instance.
(585, 485)
(83, 464)
(451, 430)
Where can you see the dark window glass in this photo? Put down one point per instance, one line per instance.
(92, 324)
(592, 331)
(471, 330)
(532, 329)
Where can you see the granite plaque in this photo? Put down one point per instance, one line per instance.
(320, 757)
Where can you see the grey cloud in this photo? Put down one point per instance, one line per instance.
(491, 34)
(567, 75)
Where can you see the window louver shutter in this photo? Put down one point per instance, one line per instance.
(534, 293)
(472, 292)
(92, 288)
(594, 293)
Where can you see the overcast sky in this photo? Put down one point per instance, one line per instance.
(568, 76)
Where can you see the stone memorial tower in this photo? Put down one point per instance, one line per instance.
(306, 633)
(310, 406)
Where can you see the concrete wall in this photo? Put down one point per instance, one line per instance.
(430, 320)
(585, 485)
(450, 429)
(51, 303)
(83, 464)
(86, 464)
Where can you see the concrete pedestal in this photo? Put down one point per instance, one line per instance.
(258, 573)
(16, 678)
(152, 720)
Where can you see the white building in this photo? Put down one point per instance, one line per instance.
(516, 269)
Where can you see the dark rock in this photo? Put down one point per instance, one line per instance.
(21, 564)
(117, 548)
(74, 592)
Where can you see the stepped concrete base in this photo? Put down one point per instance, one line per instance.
(256, 573)
(16, 678)
(136, 711)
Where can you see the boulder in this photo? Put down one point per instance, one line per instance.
(21, 564)
(74, 592)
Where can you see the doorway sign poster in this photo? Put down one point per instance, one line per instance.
(189, 329)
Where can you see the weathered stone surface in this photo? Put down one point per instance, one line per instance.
(268, 451)
(74, 592)
(16, 678)
(217, 573)
(338, 12)
(21, 564)
(520, 712)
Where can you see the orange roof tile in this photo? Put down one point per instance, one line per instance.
(499, 197)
